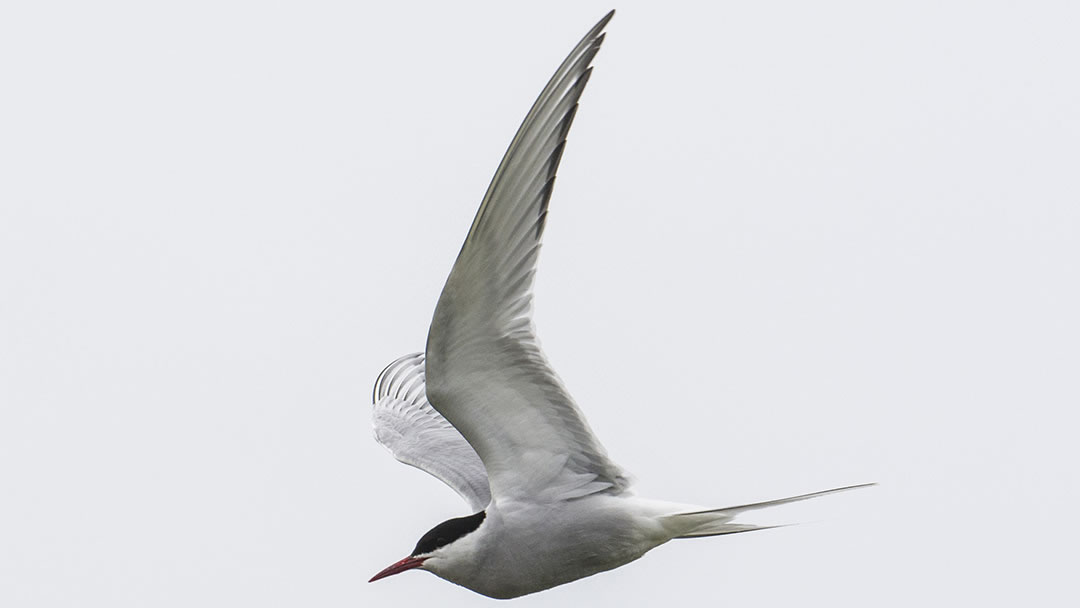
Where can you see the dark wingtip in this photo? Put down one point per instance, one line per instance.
(603, 22)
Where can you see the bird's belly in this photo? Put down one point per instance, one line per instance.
(537, 551)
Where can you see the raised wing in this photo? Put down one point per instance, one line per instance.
(485, 371)
(407, 425)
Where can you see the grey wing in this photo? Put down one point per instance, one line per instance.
(416, 434)
(486, 373)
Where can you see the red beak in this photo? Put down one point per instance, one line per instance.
(406, 564)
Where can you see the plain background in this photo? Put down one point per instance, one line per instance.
(792, 246)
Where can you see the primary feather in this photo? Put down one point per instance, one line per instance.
(485, 371)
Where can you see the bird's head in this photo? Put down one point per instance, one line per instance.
(438, 544)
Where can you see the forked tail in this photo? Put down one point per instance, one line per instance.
(715, 522)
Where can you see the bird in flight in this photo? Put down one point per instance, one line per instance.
(483, 411)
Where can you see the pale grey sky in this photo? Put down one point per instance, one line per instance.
(792, 246)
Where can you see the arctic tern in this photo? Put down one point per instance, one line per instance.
(483, 411)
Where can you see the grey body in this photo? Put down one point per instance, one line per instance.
(525, 547)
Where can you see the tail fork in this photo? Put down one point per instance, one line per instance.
(715, 522)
